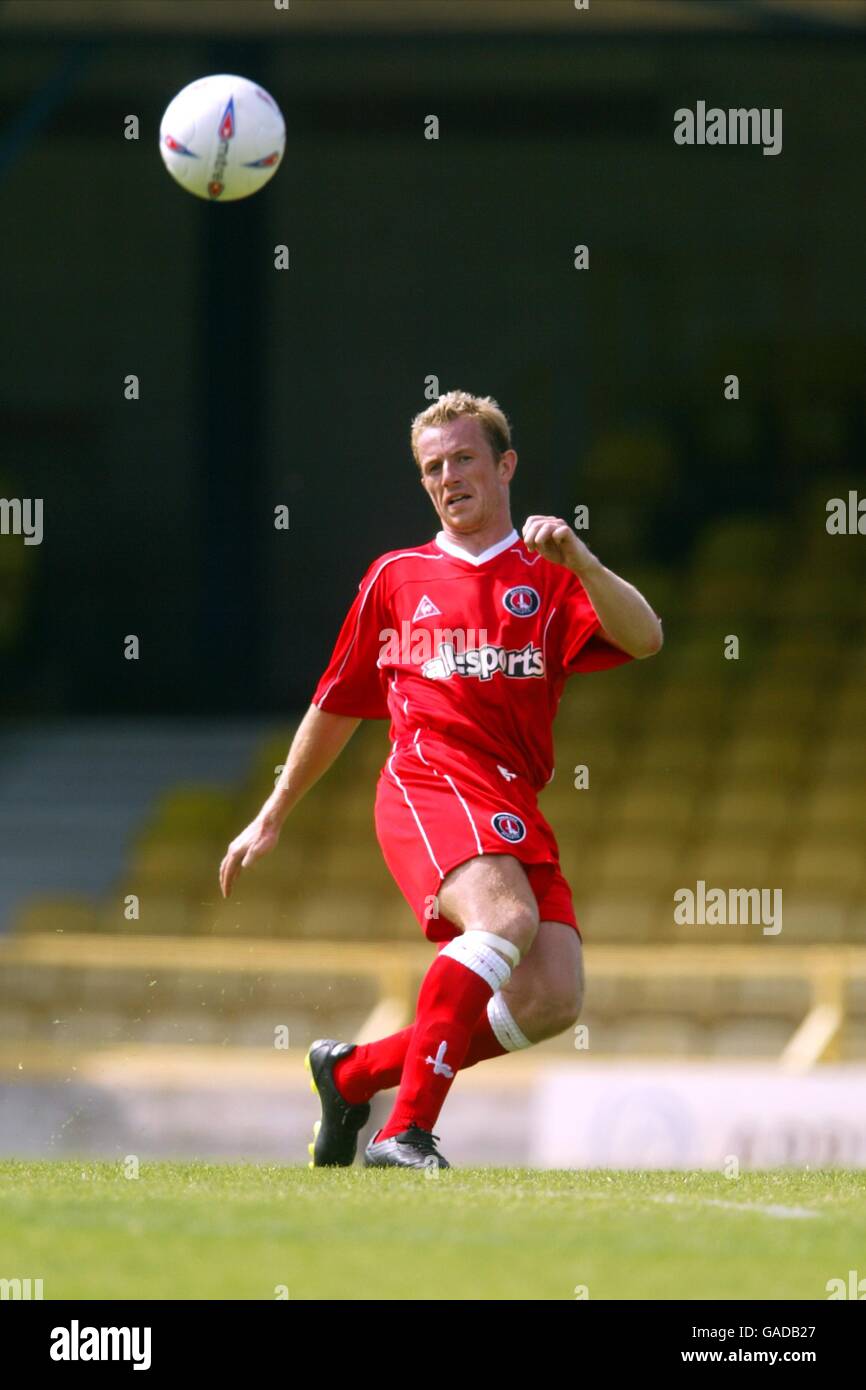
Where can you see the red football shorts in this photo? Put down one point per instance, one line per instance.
(438, 805)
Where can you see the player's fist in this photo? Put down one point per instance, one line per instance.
(556, 541)
(258, 838)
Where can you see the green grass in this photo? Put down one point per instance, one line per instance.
(206, 1231)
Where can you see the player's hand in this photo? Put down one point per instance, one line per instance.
(556, 541)
(258, 838)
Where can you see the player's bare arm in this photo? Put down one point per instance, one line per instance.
(318, 742)
(626, 618)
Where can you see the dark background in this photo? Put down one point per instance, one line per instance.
(409, 258)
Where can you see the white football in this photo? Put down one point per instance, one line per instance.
(222, 137)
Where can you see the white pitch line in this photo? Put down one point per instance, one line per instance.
(763, 1209)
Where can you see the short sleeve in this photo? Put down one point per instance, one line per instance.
(353, 683)
(583, 648)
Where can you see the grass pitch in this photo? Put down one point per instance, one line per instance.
(241, 1231)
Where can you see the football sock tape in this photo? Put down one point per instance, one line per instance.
(478, 957)
(505, 1028)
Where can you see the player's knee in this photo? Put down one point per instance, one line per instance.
(517, 923)
(556, 1007)
(565, 1013)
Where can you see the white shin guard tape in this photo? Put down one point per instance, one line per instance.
(499, 943)
(505, 1028)
(475, 955)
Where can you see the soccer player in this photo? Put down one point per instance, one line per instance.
(466, 643)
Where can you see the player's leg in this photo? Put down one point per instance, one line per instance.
(541, 1000)
(544, 996)
(490, 899)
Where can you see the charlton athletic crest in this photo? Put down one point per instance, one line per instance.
(522, 601)
(510, 827)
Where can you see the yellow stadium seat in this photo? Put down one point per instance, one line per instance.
(674, 758)
(740, 545)
(847, 710)
(764, 809)
(57, 915)
(354, 863)
(763, 755)
(852, 1044)
(812, 920)
(830, 866)
(750, 1037)
(245, 915)
(651, 864)
(647, 806)
(730, 598)
(158, 914)
(580, 863)
(193, 813)
(803, 658)
(692, 708)
(774, 705)
(812, 596)
(744, 860)
(610, 918)
(841, 758)
(338, 914)
(653, 1035)
(173, 865)
(836, 806)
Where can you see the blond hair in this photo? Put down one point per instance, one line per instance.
(455, 404)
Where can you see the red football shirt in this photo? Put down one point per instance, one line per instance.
(475, 649)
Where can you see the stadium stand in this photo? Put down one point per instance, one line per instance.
(743, 773)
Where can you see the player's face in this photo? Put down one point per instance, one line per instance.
(466, 484)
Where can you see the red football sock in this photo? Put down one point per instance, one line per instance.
(453, 997)
(378, 1066)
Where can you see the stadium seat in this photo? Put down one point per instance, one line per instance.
(193, 813)
(252, 916)
(337, 914)
(646, 805)
(827, 865)
(834, 806)
(693, 708)
(764, 809)
(163, 863)
(57, 914)
(611, 918)
(848, 708)
(814, 597)
(650, 864)
(740, 860)
(803, 658)
(750, 1037)
(159, 913)
(812, 920)
(842, 757)
(778, 704)
(354, 862)
(738, 545)
(673, 759)
(650, 1035)
(763, 755)
(725, 596)
(852, 1043)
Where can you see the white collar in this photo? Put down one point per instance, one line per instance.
(452, 548)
